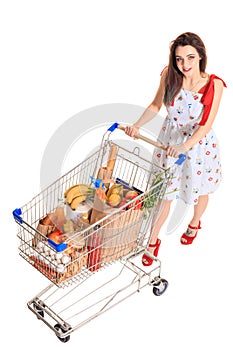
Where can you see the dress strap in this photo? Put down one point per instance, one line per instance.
(207, 98)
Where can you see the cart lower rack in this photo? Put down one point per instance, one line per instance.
(66, 310)
(86, 234)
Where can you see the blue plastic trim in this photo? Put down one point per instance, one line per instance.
(181, 159)
(16, 213)
(59, 247)
(113, 127)
(96, 182)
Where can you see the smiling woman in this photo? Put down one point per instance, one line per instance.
(187, 64)
(187, 60)
(191, 97)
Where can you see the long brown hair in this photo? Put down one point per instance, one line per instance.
(174, 77)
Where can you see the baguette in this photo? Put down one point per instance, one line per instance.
(112, 158)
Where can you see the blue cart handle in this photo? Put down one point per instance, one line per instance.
(181, 159)
(113, 127)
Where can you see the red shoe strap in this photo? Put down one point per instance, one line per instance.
(195, 228)
(156, 244)
(152, 245)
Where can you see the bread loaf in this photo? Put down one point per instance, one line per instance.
(112, 157)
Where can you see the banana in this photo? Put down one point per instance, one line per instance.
(69, 189)
(77, 190)
(76, 201)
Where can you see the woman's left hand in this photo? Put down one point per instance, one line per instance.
(175, 151)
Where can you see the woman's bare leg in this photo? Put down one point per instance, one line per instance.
(157, 223)
(199, 210)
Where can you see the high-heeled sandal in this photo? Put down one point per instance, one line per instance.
(189, 239)
(146, 260)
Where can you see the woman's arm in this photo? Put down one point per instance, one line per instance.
(204, 129)
(151, 111)
(174, 151)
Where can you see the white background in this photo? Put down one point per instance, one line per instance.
(61, 57)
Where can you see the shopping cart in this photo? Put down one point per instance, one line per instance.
(91, 253)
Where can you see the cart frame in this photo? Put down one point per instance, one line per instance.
(127, 265)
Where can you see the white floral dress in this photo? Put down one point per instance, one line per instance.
(200, 174)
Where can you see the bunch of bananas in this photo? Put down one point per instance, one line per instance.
(78, 193)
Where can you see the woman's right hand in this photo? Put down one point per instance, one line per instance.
(132, 130)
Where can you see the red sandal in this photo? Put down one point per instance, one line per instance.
(146, 260)
(189, 239)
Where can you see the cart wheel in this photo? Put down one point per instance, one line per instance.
(38, 310)
(61, 330)
(160, 286)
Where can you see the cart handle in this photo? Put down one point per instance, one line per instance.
(181, 157)
(138, 136)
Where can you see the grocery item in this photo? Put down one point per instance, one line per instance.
(131, 194)
(47, 220)
(114, 200)
(83, 207)
(153, 195)
(55, 236)
(61, 266)
(94, 249)
(112, 157)
(78, 193)
(76, 201)
(84, 218)
(58, 217)
(45, 227)
(114, 189)
(68, 227)
(105, 172)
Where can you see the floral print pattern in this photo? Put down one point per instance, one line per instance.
(200, 174)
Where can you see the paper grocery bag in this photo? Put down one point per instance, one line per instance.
(100, 210)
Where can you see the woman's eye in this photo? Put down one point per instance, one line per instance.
(191, 57)
(178, 59)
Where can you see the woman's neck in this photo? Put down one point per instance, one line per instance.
(194, 82)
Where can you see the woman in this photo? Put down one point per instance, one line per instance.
(192, 98)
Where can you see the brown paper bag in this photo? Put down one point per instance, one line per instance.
(45, 227)
(100, 210)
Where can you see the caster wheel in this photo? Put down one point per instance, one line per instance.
(160, 286)
(38, 310)
(61, 330)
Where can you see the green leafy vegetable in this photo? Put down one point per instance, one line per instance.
(152, 197)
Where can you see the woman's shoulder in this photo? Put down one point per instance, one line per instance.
(212, 80)
(214, 86)
(216, 79)
(164, 71)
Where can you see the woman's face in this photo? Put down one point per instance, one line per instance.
(187, 60)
